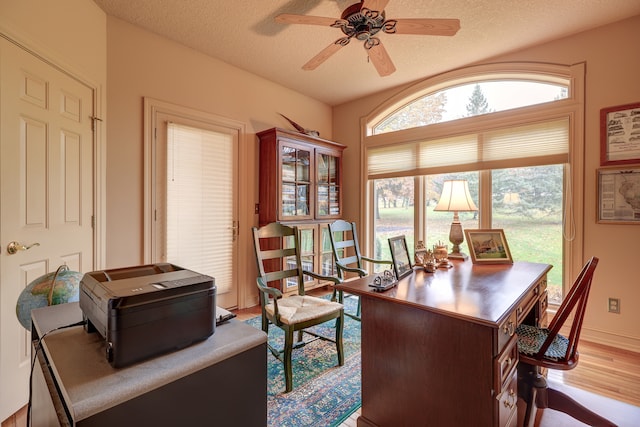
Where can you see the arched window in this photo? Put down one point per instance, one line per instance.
(513, 131)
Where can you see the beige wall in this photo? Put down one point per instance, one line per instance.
(612, 64)
(141, 64)
(71, 32)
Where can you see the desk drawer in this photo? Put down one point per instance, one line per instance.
(506, 331)
(507, 399)
(505, 364)
(543, 304)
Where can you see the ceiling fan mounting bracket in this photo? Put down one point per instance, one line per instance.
(362, 23)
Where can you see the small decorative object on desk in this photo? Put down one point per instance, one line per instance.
(384, 281)
(420, 254)
(441, 255)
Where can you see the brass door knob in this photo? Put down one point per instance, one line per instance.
(14, 247)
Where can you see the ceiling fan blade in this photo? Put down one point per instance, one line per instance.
(322, 56)
(287, 18)
(381, 60)
(426, 26)
(377, 5)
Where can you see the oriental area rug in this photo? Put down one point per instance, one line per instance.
(323, 394)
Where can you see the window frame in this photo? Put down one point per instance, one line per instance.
(571, 107)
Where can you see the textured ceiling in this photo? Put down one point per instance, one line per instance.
(243, 33)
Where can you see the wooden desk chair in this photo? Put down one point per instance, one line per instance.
(346, 252)
(296, 312)
(547, 348)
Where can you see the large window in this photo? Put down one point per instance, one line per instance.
(511, 134)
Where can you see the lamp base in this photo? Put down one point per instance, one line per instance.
(458, 255)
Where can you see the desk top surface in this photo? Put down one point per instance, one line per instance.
(90, 385)
(480, 293)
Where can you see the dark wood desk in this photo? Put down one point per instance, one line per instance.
(439, 349)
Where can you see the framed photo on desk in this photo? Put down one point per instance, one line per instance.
(488, 246)
(400, 256)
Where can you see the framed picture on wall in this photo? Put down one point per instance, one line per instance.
(400, 256)
(620, 135)
(619, 195)
(488, 246)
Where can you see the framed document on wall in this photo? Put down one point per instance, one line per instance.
(620, 135)
(619, 196)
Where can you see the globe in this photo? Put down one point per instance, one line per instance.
(65, 289)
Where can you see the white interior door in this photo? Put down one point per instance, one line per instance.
(46, 180)
(196, 199)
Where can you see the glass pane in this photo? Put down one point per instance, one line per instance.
(438, 223)
(323, 199)
(527, 204)
(302, 173)
(471, 99)
(288, 155)
(328, 267)
(302, 199)
(334, 200)
(323, 168)
(333, 170)
(288, 199)
(306, 241)
(393, 216)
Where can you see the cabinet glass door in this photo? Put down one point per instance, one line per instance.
(327, 262)
(328, 185)
(296, 184)
(308, 239)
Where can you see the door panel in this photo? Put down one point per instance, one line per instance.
(46, 179)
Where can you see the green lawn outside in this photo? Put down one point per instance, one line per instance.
(535, 240)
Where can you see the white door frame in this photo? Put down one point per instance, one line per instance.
(154, 107)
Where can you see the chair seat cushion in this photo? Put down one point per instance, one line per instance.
(298, 309)
(530, 339)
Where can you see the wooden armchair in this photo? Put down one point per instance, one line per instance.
(547, 348)
(346, 252)
(278, 247)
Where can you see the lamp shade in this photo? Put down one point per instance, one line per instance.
(456, 197)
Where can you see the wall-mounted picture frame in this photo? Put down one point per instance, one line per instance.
(620, 135)
(400, 256)
(618, 195)
(488, 246)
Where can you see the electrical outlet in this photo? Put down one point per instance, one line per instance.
(614, 305)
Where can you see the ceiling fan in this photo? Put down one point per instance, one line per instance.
(363, 21)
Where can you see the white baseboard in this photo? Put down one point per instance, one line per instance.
(613, 340)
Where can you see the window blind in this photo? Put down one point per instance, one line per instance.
(200, 201)
(534, 144)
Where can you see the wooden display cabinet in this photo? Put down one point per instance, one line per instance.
(301, 184)
(300, 177)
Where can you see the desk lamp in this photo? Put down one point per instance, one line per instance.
(456, 198)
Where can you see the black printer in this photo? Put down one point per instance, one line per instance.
(147, 310)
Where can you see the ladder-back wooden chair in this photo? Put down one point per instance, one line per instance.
(278, 247)
(346, 252)
(547, 348)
